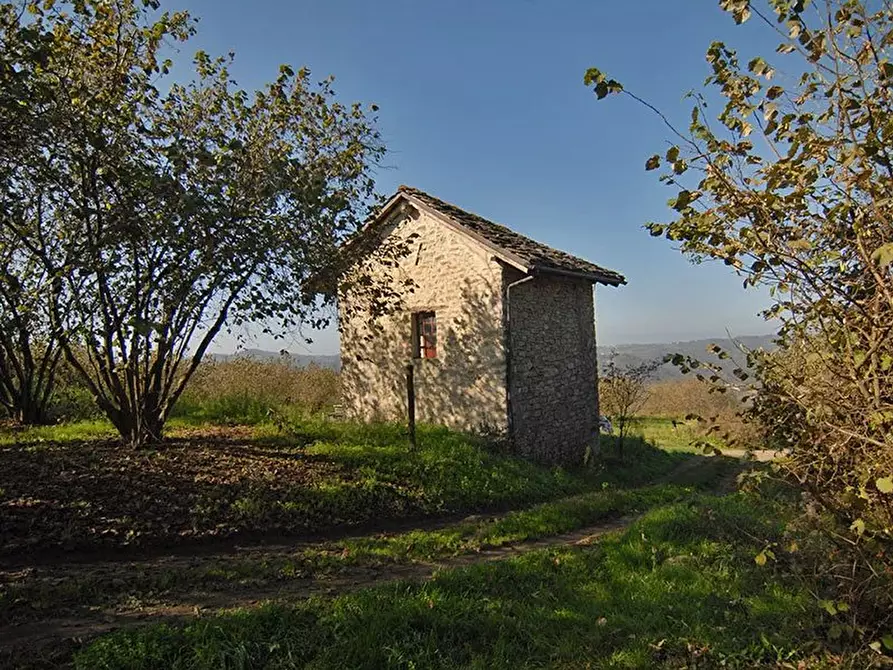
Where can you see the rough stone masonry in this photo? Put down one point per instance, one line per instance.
(514, 350)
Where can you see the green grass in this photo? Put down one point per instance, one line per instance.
(449, 466)
(37, 596)
(237, 409)
(679, 588)
(663, 434)
(540, 521)
(76, 431)
(101, 429)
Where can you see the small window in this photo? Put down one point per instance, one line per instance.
(424, 335)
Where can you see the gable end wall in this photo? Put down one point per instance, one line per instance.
(464, 387)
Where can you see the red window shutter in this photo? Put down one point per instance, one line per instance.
(429, 335)
(424, 335)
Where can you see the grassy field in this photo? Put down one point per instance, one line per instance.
(671, 434)
(679, 588)
(62, 491)
(72, 488)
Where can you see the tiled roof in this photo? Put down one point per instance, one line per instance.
(537, 257)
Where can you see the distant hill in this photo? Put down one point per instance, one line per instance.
(633, 354)
(332, 361)
(627, 354)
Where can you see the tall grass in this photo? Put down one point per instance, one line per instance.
(248, 390)
(241, 390)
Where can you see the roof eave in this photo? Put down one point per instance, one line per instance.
(387, 210)
(596, 277)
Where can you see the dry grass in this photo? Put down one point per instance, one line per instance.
(244, 390)
(678, 398)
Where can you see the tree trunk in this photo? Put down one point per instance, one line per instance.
(30, 413)
(27, 379)
(140, 429)
(28, 409)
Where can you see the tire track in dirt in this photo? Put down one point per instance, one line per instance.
(64, 632)
(53, 631)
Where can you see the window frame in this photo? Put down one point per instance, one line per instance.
(424, 335)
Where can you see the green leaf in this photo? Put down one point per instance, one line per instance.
(652, 163)
(593, 76)
(885, 484)
(683, 200)
(887, 641)
(759, 66)
(828, 606)
(883, 255)
(858, 526)
(673, 154)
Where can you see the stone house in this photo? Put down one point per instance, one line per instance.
(500, 330)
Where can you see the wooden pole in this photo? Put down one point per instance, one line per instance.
(410, 404)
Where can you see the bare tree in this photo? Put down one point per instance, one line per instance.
(623, 391)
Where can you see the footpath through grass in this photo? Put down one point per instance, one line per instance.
(79, 589)
(207, 483)
(676, 435)
(679, 588)
(96, 593)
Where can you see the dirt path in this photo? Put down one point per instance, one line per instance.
(63, 631)
(54, 637)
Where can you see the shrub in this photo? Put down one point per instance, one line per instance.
(804, 213)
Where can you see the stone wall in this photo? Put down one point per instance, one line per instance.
(553, 373)
(464, 387)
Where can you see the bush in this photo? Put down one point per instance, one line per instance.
(804, 213)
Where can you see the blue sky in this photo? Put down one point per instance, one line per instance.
(482, 104)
